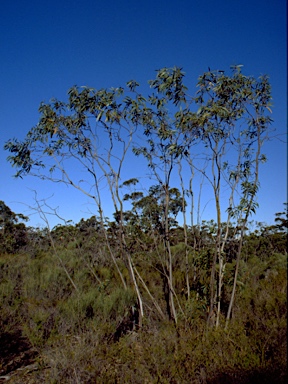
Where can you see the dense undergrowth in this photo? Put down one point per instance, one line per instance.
(69, 303)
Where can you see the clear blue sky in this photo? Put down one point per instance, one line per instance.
(46, 47)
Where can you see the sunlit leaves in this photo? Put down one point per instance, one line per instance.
(228, 110)
(129, 182)
(169, 82)
(132, 85)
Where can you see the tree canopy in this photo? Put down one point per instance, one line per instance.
(214, 137)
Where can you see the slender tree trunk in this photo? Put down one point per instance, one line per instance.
(111, 252)
(222, 263)
(220, 284)
(170, 261)
(257, 156)
(185, 228)
(130, 264)
(235, 279)
(149, 293)
(214, 295)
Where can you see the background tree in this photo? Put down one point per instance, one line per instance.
(13, 235)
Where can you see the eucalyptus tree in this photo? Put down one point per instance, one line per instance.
(13, 234)
(165, 143)
(222, 140)
(92, 132)
(234, 118)
(216, 135)
(8, 217)
(220, 133)
(150, 209)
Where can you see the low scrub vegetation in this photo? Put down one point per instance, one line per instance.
(62, 293)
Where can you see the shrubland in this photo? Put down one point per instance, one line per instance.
(153, 293)
(83, 325)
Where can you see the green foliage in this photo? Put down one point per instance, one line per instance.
(96, 298)
(13, 235)
(92, 335)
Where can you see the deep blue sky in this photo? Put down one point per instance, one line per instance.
(46, 47)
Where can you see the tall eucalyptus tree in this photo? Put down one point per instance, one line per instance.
(216, 135)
